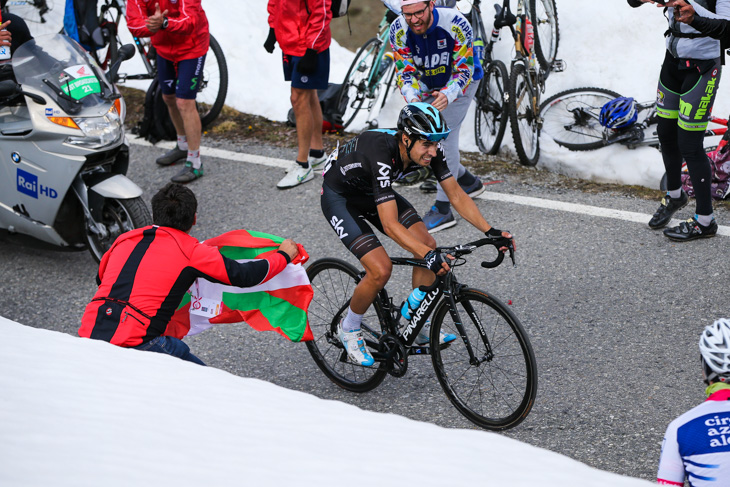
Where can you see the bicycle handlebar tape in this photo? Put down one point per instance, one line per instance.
(270, 41)
(308, 62)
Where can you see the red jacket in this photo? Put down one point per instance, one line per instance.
(186, 35)
(301, 25)
(144, 276)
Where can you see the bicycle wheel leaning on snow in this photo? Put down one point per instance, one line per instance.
(490, 118)
(570, 117)
(544, 16)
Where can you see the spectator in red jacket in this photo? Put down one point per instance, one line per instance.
(144, 276)
(302, 28)
(179, 32)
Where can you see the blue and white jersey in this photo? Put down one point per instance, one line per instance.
(697, 445)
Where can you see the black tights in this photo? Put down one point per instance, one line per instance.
(678, 144)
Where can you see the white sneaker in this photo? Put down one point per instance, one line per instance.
(295, 176)
(423, 336)
(317, 162)
(355, 345)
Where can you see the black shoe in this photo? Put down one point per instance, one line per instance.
(428, 186)
(691, 230)
(172, 156)
(668, 208)
(188, 174)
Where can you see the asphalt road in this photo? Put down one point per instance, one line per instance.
(613, 309)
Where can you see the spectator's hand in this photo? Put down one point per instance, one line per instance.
(154, 22)
(308, 63)
(683, 12)
(5, 36)
(290, 248)
(439, 101)
(270, 41)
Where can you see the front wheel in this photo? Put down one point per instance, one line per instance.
(117, 216)
(495, 390)
(523, 116)
(214, 86)
(490, 119)
(333, 282)
(544, 17)
(571, 117)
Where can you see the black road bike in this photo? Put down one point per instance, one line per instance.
(488, 372)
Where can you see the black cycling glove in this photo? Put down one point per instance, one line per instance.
(434, 259)
(493, 233)
(270, 41)
(308, 62)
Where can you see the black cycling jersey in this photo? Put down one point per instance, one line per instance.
(369, 163)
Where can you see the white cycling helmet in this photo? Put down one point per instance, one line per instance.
(715, 351)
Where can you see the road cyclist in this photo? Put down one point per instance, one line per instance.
(358, 187)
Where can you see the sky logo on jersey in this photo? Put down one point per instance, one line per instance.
(384, 177)
(337, 225)
(28, 184)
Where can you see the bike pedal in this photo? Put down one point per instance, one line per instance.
(559, 66)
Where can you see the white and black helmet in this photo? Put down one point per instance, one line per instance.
(715, 351)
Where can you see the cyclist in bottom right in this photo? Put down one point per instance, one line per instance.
(696, 445)
(688, 83)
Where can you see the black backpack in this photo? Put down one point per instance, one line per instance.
(331, 112)
(156, 123)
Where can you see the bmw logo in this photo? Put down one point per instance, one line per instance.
(15, 157)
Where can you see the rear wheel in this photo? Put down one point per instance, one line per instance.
(213, 89)
(490, 120)
(117, 216)
(498, 388)
(571, 117)
(523, 117)
(333, 282)
(544, 17)
(355, 88)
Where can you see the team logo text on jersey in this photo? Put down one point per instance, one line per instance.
(337, 225)
(384, 177)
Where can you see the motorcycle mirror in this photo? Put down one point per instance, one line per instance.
(8, 87)
(126, 51)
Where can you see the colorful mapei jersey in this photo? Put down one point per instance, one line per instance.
(370, 163)
(441, 59)
(697, 445)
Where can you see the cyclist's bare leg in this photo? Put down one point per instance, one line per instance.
(378, 268)
(307, 112)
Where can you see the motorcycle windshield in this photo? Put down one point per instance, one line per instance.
(58, 66)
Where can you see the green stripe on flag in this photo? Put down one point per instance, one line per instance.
(238, 253)
(274, 238)
(185, 301)
(279, 313)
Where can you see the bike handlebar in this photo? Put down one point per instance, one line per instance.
(497, 242)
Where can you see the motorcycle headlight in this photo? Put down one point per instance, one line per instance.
(98, 131)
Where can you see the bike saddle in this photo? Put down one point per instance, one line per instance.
(503, 17)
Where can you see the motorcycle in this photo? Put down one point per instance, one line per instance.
(63, 152)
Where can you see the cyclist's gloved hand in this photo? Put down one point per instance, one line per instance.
(308, 62)
(270, 41)
(506, 243)
(434, 259)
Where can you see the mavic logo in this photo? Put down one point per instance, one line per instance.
(337, 225)
(384, 177)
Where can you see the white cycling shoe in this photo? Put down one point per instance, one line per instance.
(423, 336)
(295, 176)
(355, 346)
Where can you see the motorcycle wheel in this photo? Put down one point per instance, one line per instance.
(117, 216)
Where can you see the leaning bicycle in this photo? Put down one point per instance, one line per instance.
(370, 78)
(515, 97)
(488, 372)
